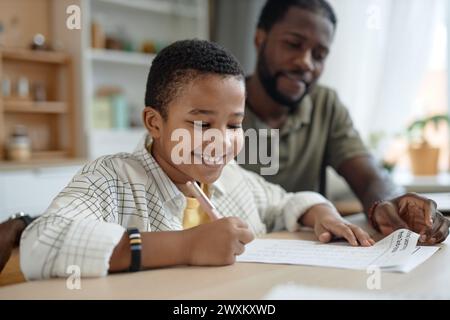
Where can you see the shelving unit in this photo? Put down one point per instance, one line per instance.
(62, 125)
(35, 107)
(20, 54)
(50, 124)
(140, 20)
(132, 58)
(53, 119)
(178, 8)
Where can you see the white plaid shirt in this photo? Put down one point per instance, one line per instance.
(87, 219)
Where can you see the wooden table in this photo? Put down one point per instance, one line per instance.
(11, 274)
(242, 280)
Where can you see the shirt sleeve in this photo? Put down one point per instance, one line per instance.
(344, 141)
(278, 208)
(73, 231)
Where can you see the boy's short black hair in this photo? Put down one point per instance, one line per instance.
(182, 62)
(275, 10)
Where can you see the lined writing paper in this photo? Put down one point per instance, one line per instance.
(398, 252)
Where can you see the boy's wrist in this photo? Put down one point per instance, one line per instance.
(183, 247)
(187, 238)
(316, 213)
(177, 248)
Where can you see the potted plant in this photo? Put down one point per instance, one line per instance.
(423, 155)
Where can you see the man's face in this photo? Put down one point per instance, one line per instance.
(291, 55)
(216, 104)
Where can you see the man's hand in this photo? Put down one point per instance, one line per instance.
(218, 242)
(328, 223)
(10, 232)
(414, 212)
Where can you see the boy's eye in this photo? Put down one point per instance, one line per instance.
(234, 126)
(292, 44)
(205, 125)
(200, 123)
(319, 56)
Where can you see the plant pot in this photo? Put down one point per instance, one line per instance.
(424, 159)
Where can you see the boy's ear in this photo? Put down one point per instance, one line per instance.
(152, 121)
(260, 38)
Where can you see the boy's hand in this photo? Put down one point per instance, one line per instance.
(218, 242)
(327, 223)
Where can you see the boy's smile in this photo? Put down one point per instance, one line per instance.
(205, 117)
(201, 157)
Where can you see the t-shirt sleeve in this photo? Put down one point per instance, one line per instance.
(344, 141)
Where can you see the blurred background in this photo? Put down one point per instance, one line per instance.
(73, 76)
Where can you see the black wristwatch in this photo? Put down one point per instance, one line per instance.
(22, 216)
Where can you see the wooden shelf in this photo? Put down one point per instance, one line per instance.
(35, 107)
(115, 56)
(42, 159)
(34, 55)
(6, 165)
(50, 154)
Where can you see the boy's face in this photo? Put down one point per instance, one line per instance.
(203, 129)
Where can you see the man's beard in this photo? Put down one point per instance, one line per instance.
(269, 83)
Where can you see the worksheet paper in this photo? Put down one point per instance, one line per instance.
(398, 252)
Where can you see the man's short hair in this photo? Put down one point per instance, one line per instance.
(182, 62)
(275, 10)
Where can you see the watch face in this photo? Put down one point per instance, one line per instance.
(17, 215)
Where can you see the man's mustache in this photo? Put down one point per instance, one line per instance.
(297, 75)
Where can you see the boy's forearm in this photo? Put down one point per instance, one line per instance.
(159, 249)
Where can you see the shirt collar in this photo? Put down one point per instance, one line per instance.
(217, 188)
(303, 112)
(167, 189)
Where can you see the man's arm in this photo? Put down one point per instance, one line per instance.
(10, 232)
(388, 206)
(368, 181)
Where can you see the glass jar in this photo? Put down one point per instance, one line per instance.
(19, 145)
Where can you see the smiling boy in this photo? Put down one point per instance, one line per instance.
(88, 224)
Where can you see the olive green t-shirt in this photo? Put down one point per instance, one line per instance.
(319, 133)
